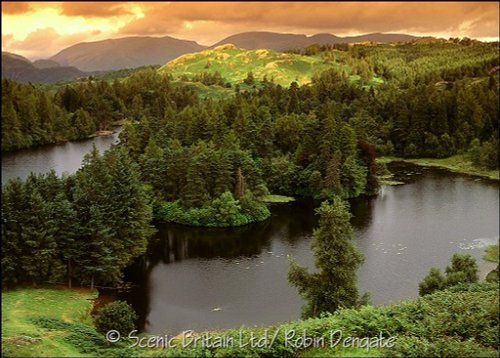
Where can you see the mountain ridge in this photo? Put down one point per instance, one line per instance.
(137, 51)
(284, 41)
(125, 52)
(21, 69)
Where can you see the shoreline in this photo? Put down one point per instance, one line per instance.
(457, 164)
(102, 133)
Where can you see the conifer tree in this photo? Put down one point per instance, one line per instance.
(194, 193)
(14, 207)
(92, 202)
(337, 260)
(223, 180)
(240, 186)
(130, 214)
(332, 178)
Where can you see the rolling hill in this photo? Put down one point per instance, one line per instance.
(134, 52)
(129, 52)
(21, 69)
(234, 64)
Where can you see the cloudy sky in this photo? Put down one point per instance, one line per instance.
(41, 29)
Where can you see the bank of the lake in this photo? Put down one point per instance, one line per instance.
(457, 163)
(56, 322)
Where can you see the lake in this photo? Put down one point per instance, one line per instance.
(194, 278)
(66, 157)
(201, 279)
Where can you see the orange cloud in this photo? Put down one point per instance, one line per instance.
(458, 19)
(94, 9)
(209, 22)
(14, 8)
(41, 42)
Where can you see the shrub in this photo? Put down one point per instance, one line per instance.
(440, 347)
(224, 211)
(434, 281)
(463, 269)
(118, 315)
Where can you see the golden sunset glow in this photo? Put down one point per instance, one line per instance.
(41, 29)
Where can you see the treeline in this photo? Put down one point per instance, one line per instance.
(200, 184)
(436, 100)
(191, 151)
(195, 155)
(316, 140)
(440, 120)
(84, 228)
(31, 118)
(34, 116)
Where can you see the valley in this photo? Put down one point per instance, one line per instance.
(250, 179)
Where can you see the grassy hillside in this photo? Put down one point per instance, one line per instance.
(234, 64)
(53, 322)
(21, 336)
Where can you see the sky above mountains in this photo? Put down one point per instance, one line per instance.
(39, 30)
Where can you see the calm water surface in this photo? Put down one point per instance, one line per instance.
(65, 157)
(242, 272)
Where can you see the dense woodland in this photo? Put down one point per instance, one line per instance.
(209, 162)
(86, 227)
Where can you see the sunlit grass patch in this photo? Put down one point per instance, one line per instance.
(272, 198)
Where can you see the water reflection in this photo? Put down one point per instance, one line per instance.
(403, 232)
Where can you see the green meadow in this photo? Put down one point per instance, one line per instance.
(234, 64)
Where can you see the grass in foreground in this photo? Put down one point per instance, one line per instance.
(457, 163)
(55, 322)
(21, 336)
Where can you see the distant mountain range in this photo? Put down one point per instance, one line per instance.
(128, 52)
(131, 52)
(282, 42)
(21, 69)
